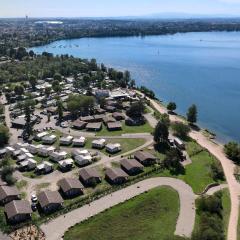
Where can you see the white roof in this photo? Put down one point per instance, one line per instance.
(113, 145)
(42, 134)
(99, 141)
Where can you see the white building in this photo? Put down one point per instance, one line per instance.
(28, 164)
(66, 140)
(113, 147)
(66, 164)
(82, 160)
(44, 167)
(58, 156)
(45, 151)
(77, 152)
(99, 143)
(39, 136)
(49, 139)
(79, 142)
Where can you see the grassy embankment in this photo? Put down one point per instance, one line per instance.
(152, 215)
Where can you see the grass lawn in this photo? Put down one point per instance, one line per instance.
(197, 174)
(152, 215)
(127, 144)
(226, 202)
(146, 128)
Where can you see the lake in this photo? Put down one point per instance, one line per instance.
(200, 68)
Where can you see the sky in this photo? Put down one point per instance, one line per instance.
(115, 8)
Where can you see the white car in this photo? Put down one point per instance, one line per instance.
(34, 198)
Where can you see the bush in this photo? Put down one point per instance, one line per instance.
(4, 135)
(180, 130)
(217, 171)
(232, 150)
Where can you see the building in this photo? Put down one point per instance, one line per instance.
(18, 211)
(44, 168)
(113, 148)
(45, 151)
(116, 175)
(118, 116)
(79, 142)
(49, 139)
(131, 166)
(145, 158)
(108, 119)
(83, 160)
(78, 124)
(114, 126)
(95, 126)
(89, 176)
(33, 149)
(39, 136)
(58, 156)
(98, 143)
(66, 140)
(50, 201)
(99, 117)
(66, 164)
(87, 119)
(70, 187)
(28, 165)
(7, 194)
(77, 152)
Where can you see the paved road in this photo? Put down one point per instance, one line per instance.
(228, 167)
(185, 222)
(213, 190)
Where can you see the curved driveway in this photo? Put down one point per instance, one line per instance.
(56, 228)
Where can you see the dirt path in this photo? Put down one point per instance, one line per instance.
(228, 167)
(185, 222)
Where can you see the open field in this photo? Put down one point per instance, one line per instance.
(146, 128)
(151, 215)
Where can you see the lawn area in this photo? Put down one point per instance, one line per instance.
(197, 174)
(146, 128)
(152, 215)
(127, 144)
(226, 202)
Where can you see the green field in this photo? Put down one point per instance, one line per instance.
(197, 174)
(146, 128)
(152, 215)
(127, 144)
(226, 202)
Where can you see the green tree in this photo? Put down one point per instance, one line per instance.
(136, 109)
(60, 110)
(57, 77)
(172, 161)
(4, 135)
(192, 114)
(161, 133)
(171, 106)
(19, 90)
(232, 150)
(180, 129)
(33, 81)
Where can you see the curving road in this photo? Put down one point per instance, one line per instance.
(228, 168)
(185, 222)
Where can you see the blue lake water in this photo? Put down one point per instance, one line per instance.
(200, 68)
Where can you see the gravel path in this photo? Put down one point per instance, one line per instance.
(185, 222)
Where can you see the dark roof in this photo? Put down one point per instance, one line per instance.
(109, 119)
(17, 207)
(114, 125)
(87, 118)
(118, 115)
(6, 191)
(67, 184)
(96, 125)
(47, 197)
(143, 156)
(87, 173)
(79, 124)
(99, 116)
(130, 163)
(114, 173)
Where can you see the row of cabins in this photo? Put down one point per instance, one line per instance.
(94, 123)
(19, 210)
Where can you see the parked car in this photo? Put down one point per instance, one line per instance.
(34, 198)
